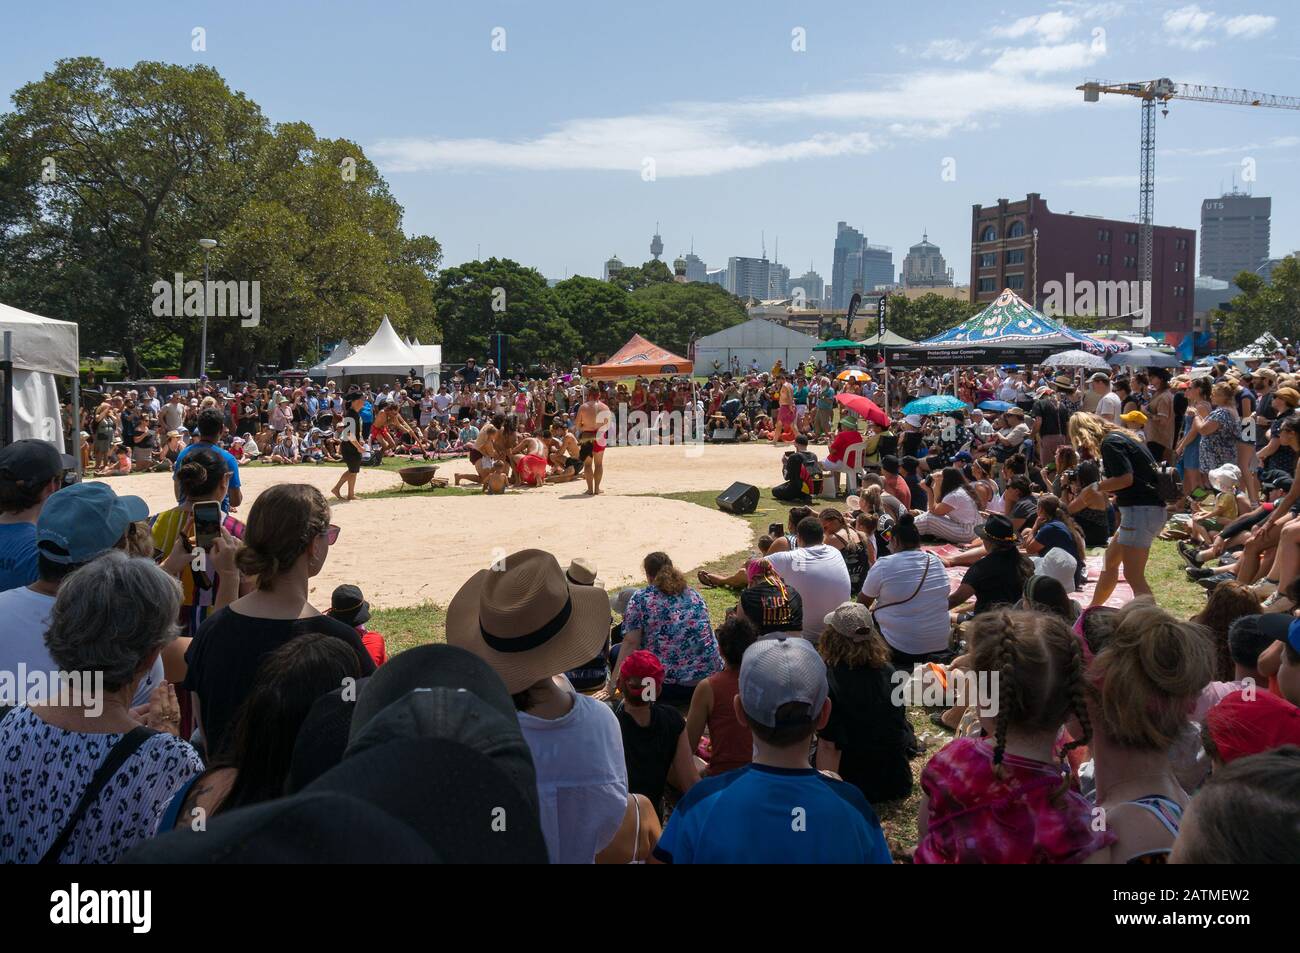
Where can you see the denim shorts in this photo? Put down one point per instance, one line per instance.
(1139, 525)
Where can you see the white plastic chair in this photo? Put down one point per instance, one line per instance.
(853, 455)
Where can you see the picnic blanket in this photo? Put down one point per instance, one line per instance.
(1122, 595)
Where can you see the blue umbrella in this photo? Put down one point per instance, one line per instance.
(998, 406)
(937, 404)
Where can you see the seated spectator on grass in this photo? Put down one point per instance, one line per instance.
(256, 764)
(907, 592)
(655, 744)
(1248, 722)
(531, 624)
(286, 543)
(867, 740)
(116, 768)
(997, 578)
(731, 744)
(777, 809)
(670, 619)
(817, 571)
(1005, 798)
(349, 606)
(1140, 688)
(30, 472)
(76, 525)
(1245, 814)
(797, 469)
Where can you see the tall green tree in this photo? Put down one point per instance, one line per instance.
(634, 277)
(923, 317)
(1271, 305)
(109, 176)
(603, 314)
(477, 298)
(676, 314)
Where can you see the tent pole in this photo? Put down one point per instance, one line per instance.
(76, 419)
(7, 424)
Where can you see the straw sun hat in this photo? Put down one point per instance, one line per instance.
(527, 620)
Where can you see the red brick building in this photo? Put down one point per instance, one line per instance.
(1077, 251)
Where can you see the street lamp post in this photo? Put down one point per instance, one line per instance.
(207, 244)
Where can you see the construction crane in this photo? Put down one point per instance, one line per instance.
(1159, 92)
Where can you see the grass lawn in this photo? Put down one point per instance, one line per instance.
(417, 625)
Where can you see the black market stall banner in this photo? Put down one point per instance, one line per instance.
(919, 355)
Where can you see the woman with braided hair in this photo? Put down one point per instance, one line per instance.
(1141, 689)
(1006, 798)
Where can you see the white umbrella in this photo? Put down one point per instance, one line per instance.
(1079, 358)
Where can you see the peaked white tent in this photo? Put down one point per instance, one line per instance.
(385, 356)
(40, 349)
(341, 350)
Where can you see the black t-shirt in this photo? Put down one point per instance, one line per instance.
(1120, 455)
(772, 607)
(225, 655)
(1052, 416)
(1026, 509)
(996, 579)
(872, 733)
(649, 751)
(911, 442)
(469, 375)
(415, 391)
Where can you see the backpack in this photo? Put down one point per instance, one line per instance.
(1168, 486)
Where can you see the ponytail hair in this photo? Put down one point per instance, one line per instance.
(281, 525)
(663, 575)
(1056, 510)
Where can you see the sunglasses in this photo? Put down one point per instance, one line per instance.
(331, 534)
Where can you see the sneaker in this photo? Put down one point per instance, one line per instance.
(1278, 603)
(1191, 553)
(1210, 582)
(1264, 587)
(1204, 572)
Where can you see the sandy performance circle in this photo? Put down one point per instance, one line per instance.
(420, 548)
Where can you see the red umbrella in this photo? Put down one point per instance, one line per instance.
(864, 407)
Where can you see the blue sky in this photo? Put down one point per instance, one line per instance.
(540, 152)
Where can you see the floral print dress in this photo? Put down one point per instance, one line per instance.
(677, 630)
(1220, 447)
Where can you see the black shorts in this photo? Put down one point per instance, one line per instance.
(571, 464)
(352, 457)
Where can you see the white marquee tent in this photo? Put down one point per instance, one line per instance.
(385, 356)
(341, 350)
(755, 339)
(40, 349)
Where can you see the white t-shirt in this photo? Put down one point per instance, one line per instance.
(820, 576)
(581, 778)
(917, 626)
(26, 616)
(964, 509)
(1108, 407)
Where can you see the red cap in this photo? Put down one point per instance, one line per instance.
(643, 664)
(1240, 726)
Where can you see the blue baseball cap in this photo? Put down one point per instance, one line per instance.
(83, 521)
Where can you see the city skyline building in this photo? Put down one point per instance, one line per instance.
(748, 277)
(1234, 234)
(924, 266)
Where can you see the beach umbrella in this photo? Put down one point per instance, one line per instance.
(936, 404)
(1144, 357)
(997, 406)
(863, 407)
(1079, 358)
(853, 374)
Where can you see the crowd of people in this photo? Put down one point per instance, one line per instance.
(228, 718)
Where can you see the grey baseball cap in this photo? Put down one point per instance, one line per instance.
(776, 672)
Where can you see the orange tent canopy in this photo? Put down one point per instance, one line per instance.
(639, 358)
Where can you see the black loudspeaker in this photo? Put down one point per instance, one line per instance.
(739, 498)
(724, 435)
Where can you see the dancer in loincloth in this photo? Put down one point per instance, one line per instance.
(484, 454)
(565, 455)
(593, 429)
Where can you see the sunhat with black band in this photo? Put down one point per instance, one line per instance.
(997, 529)
(527, 620)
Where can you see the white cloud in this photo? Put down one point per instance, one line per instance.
(708, 138)
(1187, 27)
(950, 51)
(1249, 26)
(1052, 27)
(1192, 28)
(1047, 59)
(1092, 11)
